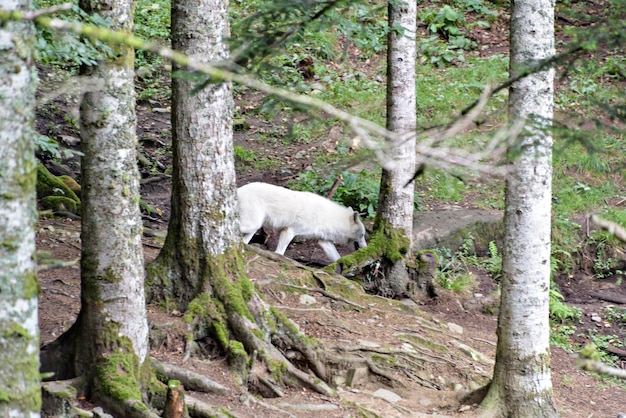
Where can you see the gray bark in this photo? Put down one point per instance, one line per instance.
(108, 343)
(112, 252)
(204, 221)
(522, 383)
(395, 202)
(20, 393)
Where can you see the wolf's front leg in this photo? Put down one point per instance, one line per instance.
(286, 235)
(330, 250)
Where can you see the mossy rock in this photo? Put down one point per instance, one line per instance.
(452, 228)
(54, 193)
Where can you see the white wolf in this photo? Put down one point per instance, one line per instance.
(301, 214)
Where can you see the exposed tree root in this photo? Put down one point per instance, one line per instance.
(200, 409)
(190, 380)
(327, 294)
(128, 408)
(287, 337)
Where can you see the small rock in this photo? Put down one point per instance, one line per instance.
(455, 328)
(387, 395)
(309, 407)
(465, 408)
(369, 344)
(596, 317)
(357, 376)
(98, 412)
(307, 300)
(70, 140)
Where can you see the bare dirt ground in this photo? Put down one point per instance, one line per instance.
(378, 324)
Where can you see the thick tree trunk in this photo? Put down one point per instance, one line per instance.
(19, 340)
(200, 267)
(204, 221)
(395, 203)
(522, 384)
(110, 337)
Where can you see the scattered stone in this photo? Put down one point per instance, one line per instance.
(70, 140)
(465, 408)
(160, 110)
(387, 395)
(310, 407)
(307, 300)
(98, 412)
(369, 344)
(595, 317)
(357, 376)
(455, 328)
(339, 379)
(58, 399)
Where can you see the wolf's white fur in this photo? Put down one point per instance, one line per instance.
(300, 214)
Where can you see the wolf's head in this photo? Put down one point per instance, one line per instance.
(357, 231)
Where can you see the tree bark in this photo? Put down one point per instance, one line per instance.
(200, 268)
(521, 383)
(109, 341)
(203, 221)
(395, 202)
(20, 392)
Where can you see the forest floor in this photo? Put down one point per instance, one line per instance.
(378, 324)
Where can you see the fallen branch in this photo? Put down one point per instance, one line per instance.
(612, 227)
(598, 367)
(57, 264)
(362, 129)
(610, 298)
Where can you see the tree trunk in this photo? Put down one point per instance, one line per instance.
(395, 203)
(110, 337)
(521, 383)
(201, 268)
(19, 289)
(203, 223)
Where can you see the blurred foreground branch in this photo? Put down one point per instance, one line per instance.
(427, 150)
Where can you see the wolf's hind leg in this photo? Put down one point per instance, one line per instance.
(330, 250)
(286, 235)
(248, 237)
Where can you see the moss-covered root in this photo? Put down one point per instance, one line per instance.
(265, 333)
(380, 267)
(57, 193)
(280, 369)
(117, 385)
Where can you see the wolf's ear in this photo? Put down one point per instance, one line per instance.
(355, 215)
